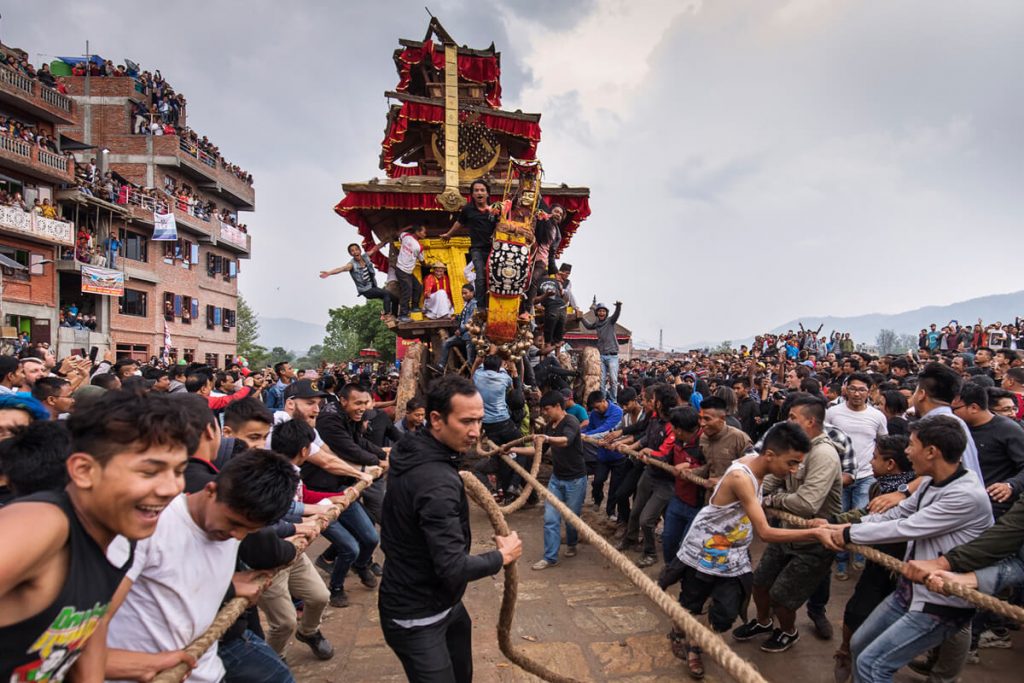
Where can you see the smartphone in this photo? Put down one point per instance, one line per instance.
(93, 352)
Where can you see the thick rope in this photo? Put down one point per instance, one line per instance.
(234, 608)
(698, 634)
(976, 598)
(482, 497)
(524, 495)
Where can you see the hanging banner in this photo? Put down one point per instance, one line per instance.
(96, 280)
(230, 233)
(164, 227)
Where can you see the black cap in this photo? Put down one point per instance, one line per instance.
(302, 388)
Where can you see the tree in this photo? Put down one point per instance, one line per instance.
(247, 329)
(280, 354)
(352, 328)
(887, 342)
(724, 347)
(312, 357)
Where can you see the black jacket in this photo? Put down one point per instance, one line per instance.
(348, 441)
(425, 532)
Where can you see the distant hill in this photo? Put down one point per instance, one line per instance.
(865, 328)
(288, 333)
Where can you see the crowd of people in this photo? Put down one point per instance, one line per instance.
(21, 65)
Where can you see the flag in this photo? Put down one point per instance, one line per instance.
(167, 344)
(164, 227)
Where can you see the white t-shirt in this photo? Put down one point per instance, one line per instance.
(180, 578)
(281, 416)
(409, 254)
(862, 426)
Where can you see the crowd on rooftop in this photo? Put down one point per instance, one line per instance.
(22, 66)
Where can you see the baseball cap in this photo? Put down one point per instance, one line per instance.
(303, 388)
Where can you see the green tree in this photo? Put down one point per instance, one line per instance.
(724, 347)
(887, 342)
(352, 328)
(279, 354)
(248, 332)
(312, 357)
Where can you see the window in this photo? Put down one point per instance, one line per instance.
(186, 310)
(218, 316)
(190, 355)
(181, 250)
(132, 303)
(169, 306)
(212, 360)
(210, 324)
(134, 246)
(229, 319)
(172, 354)
(20, 256)
(228, 360)
(139, 352)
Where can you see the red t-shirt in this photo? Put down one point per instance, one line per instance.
(689, 452)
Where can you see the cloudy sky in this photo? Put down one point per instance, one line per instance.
(750, 161)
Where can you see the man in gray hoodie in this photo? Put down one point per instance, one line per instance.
(949, 508)
(608, 347)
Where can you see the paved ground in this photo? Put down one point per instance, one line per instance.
(584, 619)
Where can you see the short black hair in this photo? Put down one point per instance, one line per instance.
(552, 398)
(120, 422)
(811, 406)
(8, 364)
(492, 362)
(196, 381)
(714, 403)
(414, 403)
(684, 417)
(258, 484)
(894, 447)
(784, 437)
(443, 389)
(346, 391)
(155, 373)
(469, 286)
(106, 380)
(35, 458)
(974, 394)
(627, 395)
(895, 402)
(480, 181)
(45, 387)
(861, 377)
(939, 382)
(278, 366)
(245, 410)
(290, 437)
(745, 381)
(944, 433)
(595, 397)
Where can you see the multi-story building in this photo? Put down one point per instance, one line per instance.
(30, 242)
(187, 288)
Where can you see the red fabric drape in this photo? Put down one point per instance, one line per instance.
(432, 113)
(351, 208)
(484, 70)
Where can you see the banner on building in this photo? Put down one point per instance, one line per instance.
(230, 233)
(96, 280)
(164, 227)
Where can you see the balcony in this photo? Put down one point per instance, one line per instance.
(35, 161)
(28, 224)
(36, 99)
(232, 237)
(209, 174)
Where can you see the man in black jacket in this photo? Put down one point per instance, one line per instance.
(425, 536)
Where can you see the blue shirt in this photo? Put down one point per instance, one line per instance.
(493, 387)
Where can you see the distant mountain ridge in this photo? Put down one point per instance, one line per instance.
(865, 328)
(290, 334)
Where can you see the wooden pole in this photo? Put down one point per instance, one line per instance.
(409, 379)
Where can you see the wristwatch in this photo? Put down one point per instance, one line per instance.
(902, 488)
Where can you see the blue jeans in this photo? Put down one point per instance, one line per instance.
(572, 493)
(855, 496)
(355, 539)
(892, 636)
(610, 375)
(479, 256)
(466, 346)
(1008, 573)
(250, 660)
(678, 517)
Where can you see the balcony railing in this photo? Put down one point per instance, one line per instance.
(34, 225)
(54, 161)
(54, 98)
(233, 235)
(194, 151)
(20, 81)
(14, 146)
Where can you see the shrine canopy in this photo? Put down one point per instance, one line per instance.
(419, 62)
(381, 209)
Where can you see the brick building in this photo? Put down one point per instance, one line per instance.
(187, 288)
(29, 242)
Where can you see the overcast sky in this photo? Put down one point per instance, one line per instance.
(749, 161)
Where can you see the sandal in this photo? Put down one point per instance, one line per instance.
(678, 641)
(695, 663)
(843, 667)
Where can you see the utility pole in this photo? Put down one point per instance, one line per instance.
(661, 340)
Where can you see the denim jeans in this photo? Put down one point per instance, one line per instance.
(378, 293)
(571, 492)
(249, 659)
(855, 496)
(467, 347)
(678, 517)
(892, 636)
(1008, 573)
(412, 293)
(355, 539)
(479, 256)
(610, 375)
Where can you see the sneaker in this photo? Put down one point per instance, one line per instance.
(647, 561)
(995, 639)
(858, 564)
(843, 667)
(570, 551)
(320, 646)
(972, 657)
(752, 629)
(841, 573)
(323, 564)
(694, 663)
(822, 626)
(339, 598)
(376, 569)
(625, 544)
(404, 319)
(416, 310)
(780, 641)
(367, 577)
(678, 641)
(543, 564)
(922, 665)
